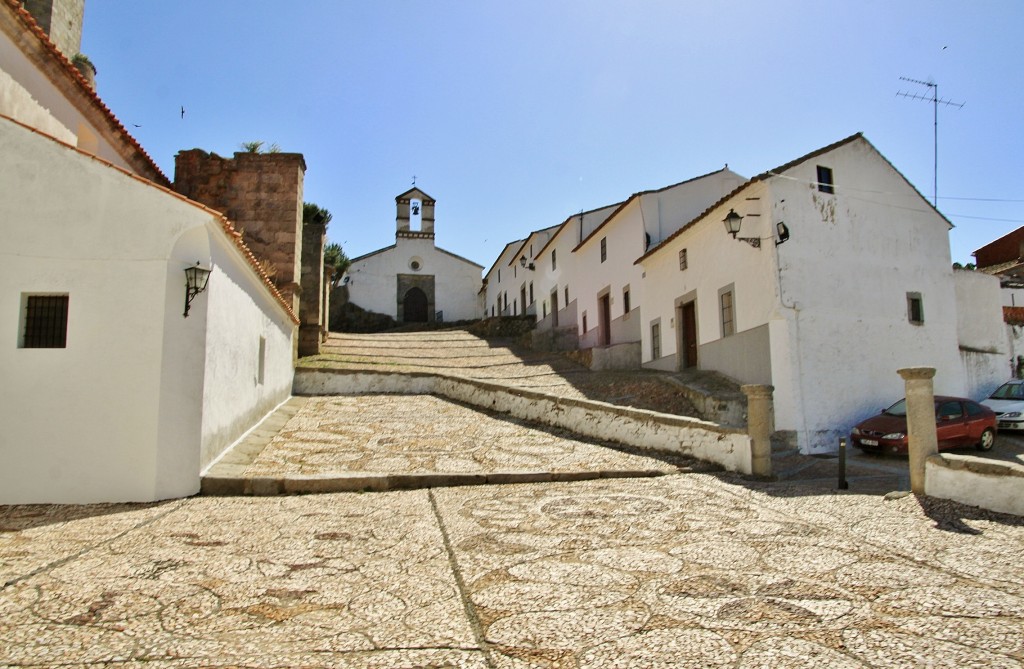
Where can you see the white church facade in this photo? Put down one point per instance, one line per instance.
(414, 281)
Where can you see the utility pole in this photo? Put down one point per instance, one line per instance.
(935, 100)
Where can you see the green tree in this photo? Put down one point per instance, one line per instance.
(313, 213)
(335, 257)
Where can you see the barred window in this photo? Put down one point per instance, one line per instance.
(46, 321)
(655, 340)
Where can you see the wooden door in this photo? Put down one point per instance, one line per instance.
(688, 325)
(414, 306)
(604, 309)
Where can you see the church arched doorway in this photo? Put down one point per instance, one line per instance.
(415, 306)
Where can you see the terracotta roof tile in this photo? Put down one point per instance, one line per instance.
(30, 24)
(225, 224)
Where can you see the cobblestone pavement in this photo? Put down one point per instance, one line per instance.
(459, 353)
(692, 570)
(418, 434)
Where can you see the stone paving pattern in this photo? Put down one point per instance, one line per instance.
(459, 353)
(425, 434)
(684, 570)
(688, 570)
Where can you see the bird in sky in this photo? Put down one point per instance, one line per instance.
(182, 112)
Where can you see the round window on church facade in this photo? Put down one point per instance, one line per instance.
(415, 264)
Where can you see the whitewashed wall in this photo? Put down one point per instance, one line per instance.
(503, 279)
(714, 261)
(668, 209)
(28, 96)
(373, 282)
(566, 273)
(240, 312)
(1013, 297)
(845, 274)
(624, 236)
(117, 414)
(832, 300)
(654, 216)
(984, 347)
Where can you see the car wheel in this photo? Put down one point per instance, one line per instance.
(987, 441)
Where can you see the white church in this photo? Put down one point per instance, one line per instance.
(413, 280)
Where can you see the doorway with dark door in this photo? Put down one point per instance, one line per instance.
(687, 335)
(605, 319)
(415, 306)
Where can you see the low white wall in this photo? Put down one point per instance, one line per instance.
(989, 484)
(727, 447)
(616, 356)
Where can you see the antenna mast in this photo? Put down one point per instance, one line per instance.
(935, 100)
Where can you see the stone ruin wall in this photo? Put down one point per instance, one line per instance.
(261, 193)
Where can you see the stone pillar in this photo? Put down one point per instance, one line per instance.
(311, 315)
(325, 307)
(921, 437)
(759, 428)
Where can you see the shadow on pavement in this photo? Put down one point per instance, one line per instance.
(16, 518)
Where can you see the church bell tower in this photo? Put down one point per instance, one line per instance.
(415, 215)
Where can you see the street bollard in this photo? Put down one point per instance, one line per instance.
(843, 484)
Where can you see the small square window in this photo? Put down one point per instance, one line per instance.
(915, 308)
(825, 184)
(682, 259)
(604, 249)
(46, 321)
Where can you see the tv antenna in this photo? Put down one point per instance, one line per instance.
(936, 101)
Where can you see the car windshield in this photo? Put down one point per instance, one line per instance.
(1009, 391)
(898, 409)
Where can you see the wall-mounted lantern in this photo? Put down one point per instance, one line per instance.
(525, 264)
(196, 279)
(732, 223)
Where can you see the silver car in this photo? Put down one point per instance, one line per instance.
(1008, 403)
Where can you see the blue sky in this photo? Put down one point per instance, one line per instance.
(514, 115)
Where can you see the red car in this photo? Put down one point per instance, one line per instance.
(959, 422)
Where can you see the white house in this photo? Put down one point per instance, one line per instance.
(414, 280)
(839, 275)
(603, 269)
(557, 281)
(110, 393)
(501, 280)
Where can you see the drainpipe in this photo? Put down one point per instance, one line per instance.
(795, 308)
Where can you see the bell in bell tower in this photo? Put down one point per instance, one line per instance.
(415, 215)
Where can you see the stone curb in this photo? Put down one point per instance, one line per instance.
(231, 486)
